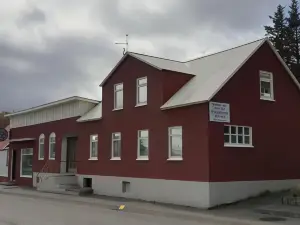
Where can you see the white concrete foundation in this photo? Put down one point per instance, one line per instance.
(186, 193)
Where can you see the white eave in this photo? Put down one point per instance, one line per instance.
(52, 104)
(92, 115)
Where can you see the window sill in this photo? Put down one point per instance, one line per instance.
(117, 109)
(41, 158)
(51, 159)
(142, 159)
(238, 146)
(24, 176)
(93, 159)
(175, 159)
(141, 105)
(116, 159)
(267, 99)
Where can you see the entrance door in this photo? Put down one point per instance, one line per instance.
(13, 165)
(71, 154)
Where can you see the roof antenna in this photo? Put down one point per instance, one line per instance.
(124, 43)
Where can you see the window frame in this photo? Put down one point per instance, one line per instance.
(42, 136)
(243, 145)
(269, 80)
(139, 157)
(52, 135)
(21, 162)
(112, 145)
(91, 144)
(170, 135)
(138, 86)
(115, 96)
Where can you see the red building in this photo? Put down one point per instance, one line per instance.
(201, 133)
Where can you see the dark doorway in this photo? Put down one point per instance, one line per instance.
(13, 165)
(71, 154)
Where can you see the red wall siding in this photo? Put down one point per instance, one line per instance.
(275, 125)
(131, 119)
(61, 128)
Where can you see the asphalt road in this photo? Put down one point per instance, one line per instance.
(18, 210)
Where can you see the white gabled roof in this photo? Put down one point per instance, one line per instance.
(92, 115)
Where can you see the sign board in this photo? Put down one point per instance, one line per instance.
(219, 112)
(3, 134)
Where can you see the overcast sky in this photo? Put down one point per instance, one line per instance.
(52, 49)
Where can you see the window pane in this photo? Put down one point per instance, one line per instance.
(240, 139)
(247, 139)
(116, 135)
(42, 140)
(265, 87)
(41, 151)
(94, 152)
(143, 133)
(117, 148)
(142, 94)
(118, 87)
(265, 75)
(143, 147)
(142, 81)
(52, 150)
(233, 130)
(119, 99)
(233, 139)
(240, 130)
(246, 130)
(26, 169)
(176, 131)
(226, 129)
(95, 138)
(226, 139)
(176, 146)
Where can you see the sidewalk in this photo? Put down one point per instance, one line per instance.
(131, 206)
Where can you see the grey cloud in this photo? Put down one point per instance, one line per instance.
(32, 16)
(56, 73)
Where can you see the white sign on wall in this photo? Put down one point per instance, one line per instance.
(219, 112)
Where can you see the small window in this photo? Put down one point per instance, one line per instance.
(141, 91)
(87, 183)
(237, 136)
(175, 143)
(266, 86)
(94, 146)
(52, 143)
(118, 96)
(116, 146)
(125, 186)
(143, 144)
(42, 147)
(26, 162)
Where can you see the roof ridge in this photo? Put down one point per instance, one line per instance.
(157, 57)
(229, 49)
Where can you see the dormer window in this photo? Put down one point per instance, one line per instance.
(118, 96)
(141, 91)
(266, 86)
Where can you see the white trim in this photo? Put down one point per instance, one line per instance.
(138, 86)
(93, 159)
(238, 146)
(52, 135)
(51, 104)
(42, 136)
(269, 80)
(142, 159)
(112, 145)
(170, 157)
(91, 141)
(115, 95)
(117, 109)
(141, 105)
(21, 139)
(139, 157)
(21, 159)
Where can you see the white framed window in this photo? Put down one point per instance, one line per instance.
(266, 85)
(118, 96)
(143, 144)
(237, 136)
(141, 91)
(94, 147)
(175, 143)
(26, 162)
(41, 147)
(52, 142)
(116, 146)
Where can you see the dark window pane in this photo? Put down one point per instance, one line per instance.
(240, 139)
(246, 130)
(240, 130)
(233, 139)
(226, 139)
(247, 140)
(226, 129)
(233, 130)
